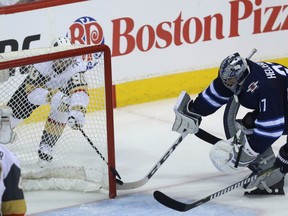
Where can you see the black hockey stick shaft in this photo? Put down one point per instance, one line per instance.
(112, 169)
(207, 137)
(182, 207)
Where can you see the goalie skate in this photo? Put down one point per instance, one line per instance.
(276, 189)
(271, 183)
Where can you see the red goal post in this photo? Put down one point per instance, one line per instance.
(99, 131)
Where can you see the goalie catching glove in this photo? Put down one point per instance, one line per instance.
(232, 154)
(185, 119)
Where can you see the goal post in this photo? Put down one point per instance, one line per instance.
(75, 165)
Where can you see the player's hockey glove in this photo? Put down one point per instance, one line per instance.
(232, 154)
(76, 119)
(185, 119)
(282, 159)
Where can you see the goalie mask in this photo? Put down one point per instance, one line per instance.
(61, 65)
(233, 72)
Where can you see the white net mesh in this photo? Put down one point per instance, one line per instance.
(42, 97)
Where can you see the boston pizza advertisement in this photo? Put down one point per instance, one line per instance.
(154, 38)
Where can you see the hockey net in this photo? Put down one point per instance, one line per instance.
(75, 164)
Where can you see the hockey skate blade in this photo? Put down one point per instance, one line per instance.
(257, 192)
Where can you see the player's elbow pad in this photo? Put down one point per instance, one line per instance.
(38, 96)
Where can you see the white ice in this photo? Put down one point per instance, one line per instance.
(142, 135)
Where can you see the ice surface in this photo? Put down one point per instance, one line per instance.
(142, 135)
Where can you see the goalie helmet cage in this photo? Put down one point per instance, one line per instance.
(75, 165)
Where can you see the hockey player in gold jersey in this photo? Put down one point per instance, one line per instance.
(60, 83)
(12, 200)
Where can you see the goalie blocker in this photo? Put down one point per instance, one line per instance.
(185, 118)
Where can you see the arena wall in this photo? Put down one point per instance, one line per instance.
(159, 48)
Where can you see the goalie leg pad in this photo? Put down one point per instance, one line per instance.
(269, 184)
(263, 161)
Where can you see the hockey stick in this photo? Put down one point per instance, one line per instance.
(253, 51)
(207, 137)
(200, 134)
(182, 207)
(139, 183)
(112, 169)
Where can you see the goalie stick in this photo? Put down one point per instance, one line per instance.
(183, 207)
(200, 134)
